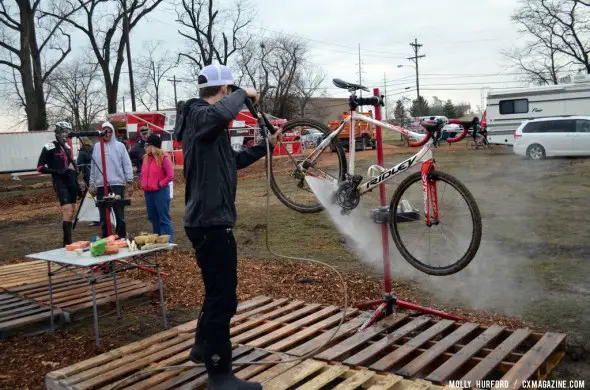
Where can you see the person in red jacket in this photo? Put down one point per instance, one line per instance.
(156, 173)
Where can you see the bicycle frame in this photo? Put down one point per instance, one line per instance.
(425, 154)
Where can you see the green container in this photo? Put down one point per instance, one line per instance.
(99, 247)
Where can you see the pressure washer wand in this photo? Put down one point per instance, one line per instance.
(263, 122)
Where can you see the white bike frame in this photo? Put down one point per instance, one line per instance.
(424, 154)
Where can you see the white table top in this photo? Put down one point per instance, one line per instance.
(64, 256)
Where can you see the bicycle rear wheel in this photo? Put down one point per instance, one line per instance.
(288, 184)
(437, 250)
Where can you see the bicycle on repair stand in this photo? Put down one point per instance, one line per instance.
(441, 239)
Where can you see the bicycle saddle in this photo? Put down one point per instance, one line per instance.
(433, 125)
(350, 86)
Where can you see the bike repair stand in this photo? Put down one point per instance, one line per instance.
(389, 301)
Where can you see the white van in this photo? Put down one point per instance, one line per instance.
(556, 136)
(507, 109)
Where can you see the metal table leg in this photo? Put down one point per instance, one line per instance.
(114, 270)
(49, 274)
(162, 303)
(94, 309)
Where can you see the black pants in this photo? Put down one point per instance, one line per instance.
(119, 211)
(217, 257)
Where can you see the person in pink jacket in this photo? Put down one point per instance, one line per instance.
(156, 173)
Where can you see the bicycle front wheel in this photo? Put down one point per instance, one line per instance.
(452, 241)
(288, 184)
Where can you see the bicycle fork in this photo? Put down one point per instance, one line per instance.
(430, 194)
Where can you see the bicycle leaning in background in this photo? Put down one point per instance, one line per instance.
(427, 239)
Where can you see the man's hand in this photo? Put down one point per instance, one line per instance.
(252, 94)
(92, 189)
(275, 137)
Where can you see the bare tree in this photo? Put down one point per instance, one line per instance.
(34, 47)
(103, 32)
(274, 67)
(212, 33)
(560, 30)
(539, 64)
(307, 85)
(77, 93)
(152, 70)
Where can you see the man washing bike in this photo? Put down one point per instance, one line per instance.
(210, 169)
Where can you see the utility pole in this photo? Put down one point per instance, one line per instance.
(174, 82)
(123, 98)
(416, 46)
(126, 33)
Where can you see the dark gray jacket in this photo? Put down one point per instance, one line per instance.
(210, 163)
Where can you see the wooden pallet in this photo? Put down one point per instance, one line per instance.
(13, 275)
(410, 346)
(27, 285)
(126, 367)
(413, 346)
(16, 312)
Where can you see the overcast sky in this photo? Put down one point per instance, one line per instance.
(462, 41)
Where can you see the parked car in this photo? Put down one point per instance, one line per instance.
(553, 136)
(311, 137)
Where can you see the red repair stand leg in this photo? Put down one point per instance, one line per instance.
(389, 299)
(105, 187)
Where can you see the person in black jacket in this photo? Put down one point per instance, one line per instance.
(84, 159)
(138, 150)
(56, 159)
(210, 169)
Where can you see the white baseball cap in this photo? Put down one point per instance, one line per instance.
(216, 75)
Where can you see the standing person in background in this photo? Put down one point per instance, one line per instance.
(119, 173)
(56, 159)
(85, 159)
(156, 174)
(138, 150)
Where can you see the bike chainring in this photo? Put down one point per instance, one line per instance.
(347, 196)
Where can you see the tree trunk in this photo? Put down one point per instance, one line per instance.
(31, 72)
(111, 90)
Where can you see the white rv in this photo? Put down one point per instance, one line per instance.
(507, 109)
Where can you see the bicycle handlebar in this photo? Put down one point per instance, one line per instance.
(459, 137)
(370, 101)
(421, 142)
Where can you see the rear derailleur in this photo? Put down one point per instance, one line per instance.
(347, 195)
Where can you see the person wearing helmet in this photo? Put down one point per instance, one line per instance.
(138, 150)
(56, 160)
